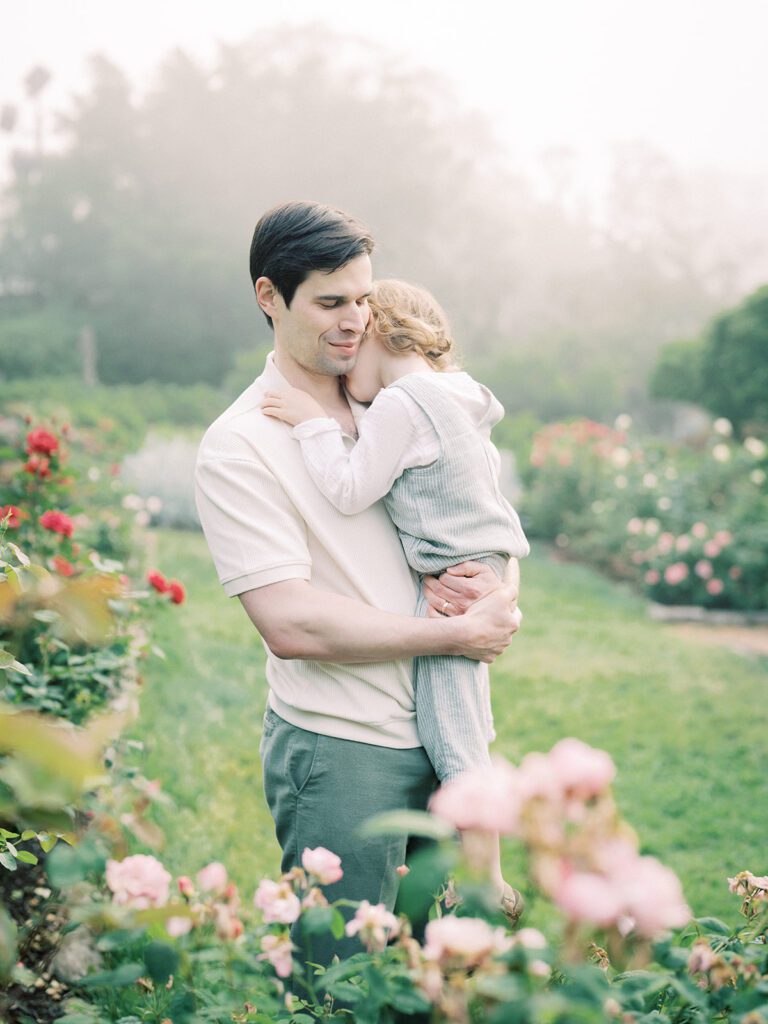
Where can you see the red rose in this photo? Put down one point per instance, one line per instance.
(158, 581)
(62, 566)
(41, 442)
(14, 513)
(57, 522)
(177, 592)
(38, 465)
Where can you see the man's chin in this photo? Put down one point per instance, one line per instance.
(336, 366)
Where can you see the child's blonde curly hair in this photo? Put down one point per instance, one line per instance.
(408, 319)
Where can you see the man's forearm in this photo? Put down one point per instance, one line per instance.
(298, 621)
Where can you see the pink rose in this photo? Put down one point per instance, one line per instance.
(653, 898)
(582, 770)
(530, 938)
(324, 865)
(585, 896)
(665, 543)
(745, 882)
(374, 924)
(139, 881)
(675, 573)
(683, 543)
(702, 957)
(652, 576)
(723, 537)
(703, 568)
(178, 926)
(278, 950)
(466, 940)
(740, 883)
(228, 924)
(277, 901)
(715, 587)
(712, 549)
(213, 877)
(186, 888)
(485, 798)
(537, 778)
(314, 898)
(699, 530)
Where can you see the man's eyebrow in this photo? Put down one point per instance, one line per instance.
(337, 298)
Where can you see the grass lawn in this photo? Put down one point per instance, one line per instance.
(685, 724)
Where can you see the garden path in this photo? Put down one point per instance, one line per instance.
(751, 641)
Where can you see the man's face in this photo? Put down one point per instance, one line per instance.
(322, 330)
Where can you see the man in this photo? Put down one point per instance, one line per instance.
(331, 595)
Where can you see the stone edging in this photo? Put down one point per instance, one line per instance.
(712, 616)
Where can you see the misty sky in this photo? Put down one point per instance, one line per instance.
(688, 75)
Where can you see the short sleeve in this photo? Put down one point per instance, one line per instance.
(255, 533)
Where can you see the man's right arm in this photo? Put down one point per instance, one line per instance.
(299, 621)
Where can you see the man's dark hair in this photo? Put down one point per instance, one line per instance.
(292, 240)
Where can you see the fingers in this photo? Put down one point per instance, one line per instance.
(467, 569)
(273, 404)
(442, 599)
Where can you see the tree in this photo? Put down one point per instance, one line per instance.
(677, 374)
(734, 363)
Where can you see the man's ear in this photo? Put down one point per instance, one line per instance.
(266, 295)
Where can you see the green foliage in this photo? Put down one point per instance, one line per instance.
(677, 374)
(546, 385)
(31, 343)
(726, 371)
(734, 363)
(114, 419)
(246, 367)
(516, 434)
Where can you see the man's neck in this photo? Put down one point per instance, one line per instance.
(323, 387)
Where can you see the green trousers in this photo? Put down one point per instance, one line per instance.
(320, 790)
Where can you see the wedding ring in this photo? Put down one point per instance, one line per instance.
(445, 605)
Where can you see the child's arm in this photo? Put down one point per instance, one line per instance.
(292, 405)
(353, 480)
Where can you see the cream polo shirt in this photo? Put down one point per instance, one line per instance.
(265, 521)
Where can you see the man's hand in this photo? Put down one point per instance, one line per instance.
(487, 627)
(459, 587)
(292, 405)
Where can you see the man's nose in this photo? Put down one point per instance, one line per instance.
(355, 319)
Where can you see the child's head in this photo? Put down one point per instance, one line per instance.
(407, 318)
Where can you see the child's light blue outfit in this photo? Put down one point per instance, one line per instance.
(445, 501)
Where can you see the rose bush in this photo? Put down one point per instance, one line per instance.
(623, 945)
(687, 525)
(72, 638)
